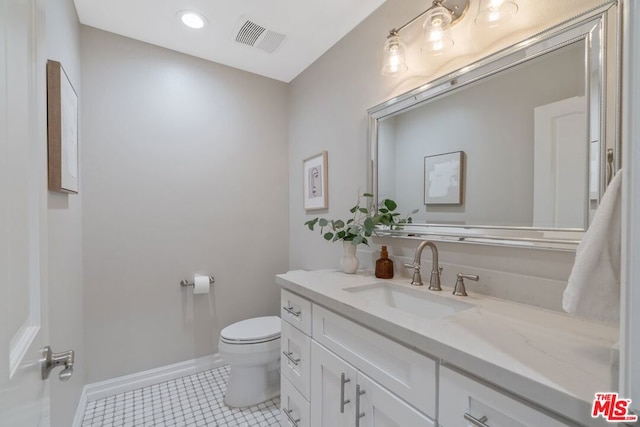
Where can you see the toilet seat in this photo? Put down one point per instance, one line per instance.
(252, 331)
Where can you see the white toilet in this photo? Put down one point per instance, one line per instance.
(252, 348)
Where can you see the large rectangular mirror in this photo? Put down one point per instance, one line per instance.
(510, 150)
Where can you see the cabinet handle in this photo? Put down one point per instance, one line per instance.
(343, 381)
(475, 421)
(292, 420)
(358, 413)
(291, 311)
(289, 356)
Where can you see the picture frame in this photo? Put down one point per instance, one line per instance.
(443, 178)
(62, 130)
(315, 182)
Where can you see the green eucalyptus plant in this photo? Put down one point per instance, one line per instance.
(363, 222)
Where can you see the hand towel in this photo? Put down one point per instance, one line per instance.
(593, 289)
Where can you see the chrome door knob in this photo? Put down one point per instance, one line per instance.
(50, 360)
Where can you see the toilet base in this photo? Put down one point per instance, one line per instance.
(251, 385)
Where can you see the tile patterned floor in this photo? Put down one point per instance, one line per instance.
(193, 401)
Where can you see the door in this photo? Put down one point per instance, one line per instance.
(379, 408)
(23, 394)
(561, 158)
(332, 389)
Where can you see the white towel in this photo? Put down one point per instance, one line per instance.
(593, 290)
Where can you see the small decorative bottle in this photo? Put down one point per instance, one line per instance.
(384, 265)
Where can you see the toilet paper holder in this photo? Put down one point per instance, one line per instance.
(185, 283)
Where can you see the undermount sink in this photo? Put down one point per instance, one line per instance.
(418, 302)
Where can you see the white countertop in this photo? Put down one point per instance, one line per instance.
(550, 358)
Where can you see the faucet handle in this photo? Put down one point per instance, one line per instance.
(417, 277)
(459, 288)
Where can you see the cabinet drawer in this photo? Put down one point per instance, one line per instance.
(406, 373)
(296, 310)
(462, 397)
(295, 361)
(294, 408)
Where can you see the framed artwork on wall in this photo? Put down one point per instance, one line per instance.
(443, 178)
(62, 130)
(315, 188)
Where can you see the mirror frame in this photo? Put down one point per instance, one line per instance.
(599, 29)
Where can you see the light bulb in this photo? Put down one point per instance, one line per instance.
(437, 31)
(192, 19)
(394, 56)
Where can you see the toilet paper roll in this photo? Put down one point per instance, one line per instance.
(201, 284)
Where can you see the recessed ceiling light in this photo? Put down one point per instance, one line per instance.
(192, 19)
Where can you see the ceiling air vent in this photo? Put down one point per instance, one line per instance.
(254, 35)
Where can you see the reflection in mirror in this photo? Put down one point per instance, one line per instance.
(528, 127)
(523, 133)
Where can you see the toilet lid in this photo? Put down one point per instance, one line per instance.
(258, 329)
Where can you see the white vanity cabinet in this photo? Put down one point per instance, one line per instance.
(343, 396)
(514, 364)
(342, 374)
(327, 359)
(464, 401)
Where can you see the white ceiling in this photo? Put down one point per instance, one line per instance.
(311, 28)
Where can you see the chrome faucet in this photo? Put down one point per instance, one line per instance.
(434, 280)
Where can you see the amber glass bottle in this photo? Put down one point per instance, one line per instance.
(384, 266)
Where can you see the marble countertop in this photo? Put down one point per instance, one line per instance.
(547, 357)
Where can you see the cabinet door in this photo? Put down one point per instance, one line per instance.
(379, 408)
(332, 389)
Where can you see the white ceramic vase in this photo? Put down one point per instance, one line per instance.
(349, 261)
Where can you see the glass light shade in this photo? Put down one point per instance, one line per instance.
(394, 56)
(437, 31)
(437, 41)
(494, 12)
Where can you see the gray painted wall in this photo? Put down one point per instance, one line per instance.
(184, 171)
(66, 290)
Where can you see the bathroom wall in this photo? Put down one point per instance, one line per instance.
(66, 291)
(184, 171)
(328, 108)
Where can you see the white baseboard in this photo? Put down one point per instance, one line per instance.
(138, 380)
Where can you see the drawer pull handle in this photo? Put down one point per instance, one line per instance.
(475, 421)
(293, 421)
(358, 413)
(289, 356)
(343, 381)
(291, 311)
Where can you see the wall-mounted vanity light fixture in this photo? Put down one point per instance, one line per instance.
(439, 18)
